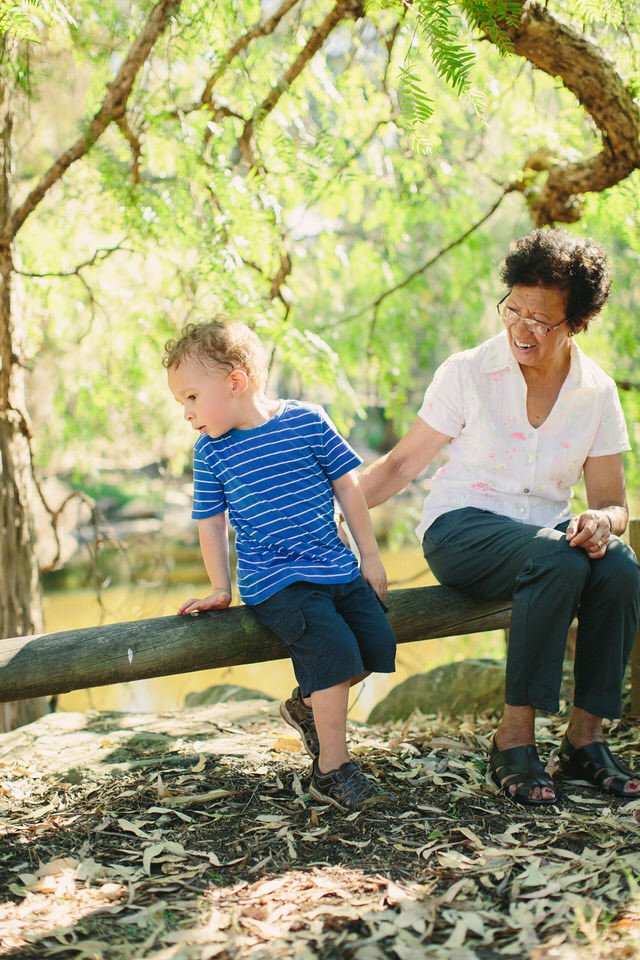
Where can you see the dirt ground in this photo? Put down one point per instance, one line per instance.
(190, 835)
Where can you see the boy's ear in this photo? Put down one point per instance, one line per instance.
(239, 381)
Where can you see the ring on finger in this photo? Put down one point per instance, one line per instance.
(599, 544)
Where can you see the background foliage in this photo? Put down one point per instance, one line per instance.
(403, 132)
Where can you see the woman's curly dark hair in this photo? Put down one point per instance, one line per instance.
(557, 258)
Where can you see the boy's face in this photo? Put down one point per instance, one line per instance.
(207, 394)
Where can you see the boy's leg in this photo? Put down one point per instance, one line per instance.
(365, 615)
(330, 714)
(326, 659)
(297, 712)
(335, 778)
(323, 649)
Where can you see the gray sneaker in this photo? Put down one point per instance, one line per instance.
(299, 716)
(347, 788)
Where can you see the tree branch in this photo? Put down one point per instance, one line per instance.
(261, 30)
(102, 253)
(134, 141)
(375, 304)
(627, 385)
(343, 10)
(113, 108)
(560, 51)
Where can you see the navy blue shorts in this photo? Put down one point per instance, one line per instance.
(332, 632)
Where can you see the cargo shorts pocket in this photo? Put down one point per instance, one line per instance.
(288, 627)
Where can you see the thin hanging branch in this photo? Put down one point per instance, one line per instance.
(375, 305)
(102, 253)
(206, 97)
(344, 9)
(98, 256)
(135, 142)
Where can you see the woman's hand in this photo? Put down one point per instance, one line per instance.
(342, 533)
(217, 600)
(590, 530)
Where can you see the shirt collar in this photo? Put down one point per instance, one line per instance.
(497, 355)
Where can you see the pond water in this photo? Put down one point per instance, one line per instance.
(73, 609)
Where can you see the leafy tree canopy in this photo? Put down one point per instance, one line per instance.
(348, 183)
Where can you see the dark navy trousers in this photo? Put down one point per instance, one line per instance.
(486, 555)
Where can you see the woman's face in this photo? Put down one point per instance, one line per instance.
(535, 347)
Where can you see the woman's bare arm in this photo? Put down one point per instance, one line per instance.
(392, 472)
(607, 513)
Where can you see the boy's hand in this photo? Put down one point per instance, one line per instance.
(374, 574)
(217, 600)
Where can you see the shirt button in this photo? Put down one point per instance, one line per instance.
(526, 490)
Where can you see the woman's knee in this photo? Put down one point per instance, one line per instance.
(555, 580)
(619, 567)
(569, 564)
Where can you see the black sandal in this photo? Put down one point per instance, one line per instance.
(520, 767)
(594, 764)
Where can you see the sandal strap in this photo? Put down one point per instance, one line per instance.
(520, 767)
(595, 763)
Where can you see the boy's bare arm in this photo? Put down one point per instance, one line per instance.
(214, 544)
(354, 508)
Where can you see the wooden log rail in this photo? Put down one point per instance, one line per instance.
(53, 663)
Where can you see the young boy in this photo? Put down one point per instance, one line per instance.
(275, 465)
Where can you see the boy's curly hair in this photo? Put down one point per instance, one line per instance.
(219, 341)
(557, 258)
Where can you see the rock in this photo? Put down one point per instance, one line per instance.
(120, 531)
(104, 741)
(466, 686)
(452, 689)
(177, 524)
(223, 693)
(138, 509)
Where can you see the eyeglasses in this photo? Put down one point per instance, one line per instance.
(511, 315)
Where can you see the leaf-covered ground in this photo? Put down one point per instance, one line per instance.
(190, 835)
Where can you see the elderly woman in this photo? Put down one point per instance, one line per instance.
(525, 415)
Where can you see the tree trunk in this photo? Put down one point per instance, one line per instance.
(20, 603)
(20, 607)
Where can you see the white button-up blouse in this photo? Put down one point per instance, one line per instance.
(496, 460)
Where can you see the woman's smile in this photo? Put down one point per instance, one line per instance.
(521, 345)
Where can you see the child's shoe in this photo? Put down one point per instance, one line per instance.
(299, 716)
(347, 788)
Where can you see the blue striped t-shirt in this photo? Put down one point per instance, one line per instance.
(275, 480)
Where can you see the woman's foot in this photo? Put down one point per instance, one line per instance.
(517, 729)
(519, 773)
(596, 765)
